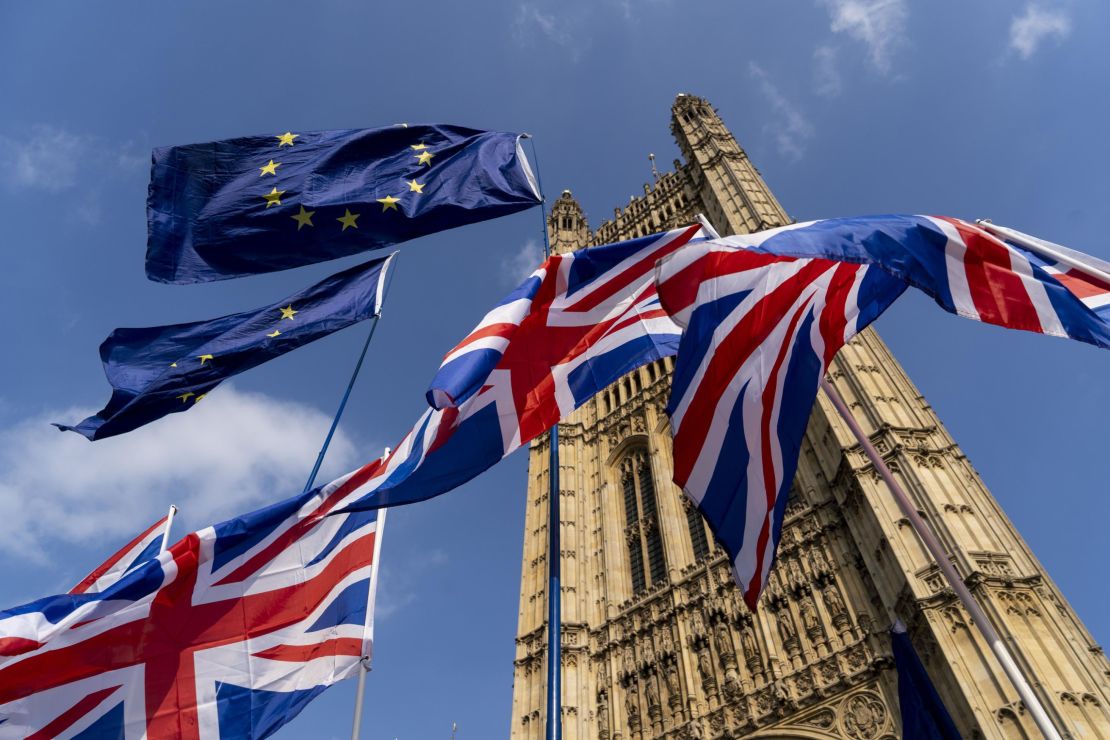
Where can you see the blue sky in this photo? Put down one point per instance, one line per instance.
(986, 109)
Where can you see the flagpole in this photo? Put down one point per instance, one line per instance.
(363, 669)
(166, 529)
(368, 624)
(354, 374)
(933, 545)
(554, 717)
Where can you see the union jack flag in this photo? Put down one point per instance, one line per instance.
(134, 553)
(229, 633)
(1012, 281)
(760, 331)
(576, 325)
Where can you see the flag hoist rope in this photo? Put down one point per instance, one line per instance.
(933, 545)
(554, 716)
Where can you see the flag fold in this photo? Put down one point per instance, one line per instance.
(257, 204)
(160, 370)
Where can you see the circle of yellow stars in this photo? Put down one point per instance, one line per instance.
(421, 153)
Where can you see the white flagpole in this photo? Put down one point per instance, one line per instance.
(932, 544)
(166, 529)
(363, 669)
(364, 662)
(1045, 249)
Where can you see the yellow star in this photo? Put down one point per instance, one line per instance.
(416, 187)
(197, 399)
(205, 358)
(424, 158)
(173, 364)
(287, 313)
(304, 218)
(286, 139)
(348, 219)
(186, 396)
(275, 333)
(389, 203)
(273, 198)
(419, 147)
(270, 169)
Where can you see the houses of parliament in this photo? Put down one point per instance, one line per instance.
(657, 642)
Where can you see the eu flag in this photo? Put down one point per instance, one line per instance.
(162, 370)
(257, 204)
(924, 716)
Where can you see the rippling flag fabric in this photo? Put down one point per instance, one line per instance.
(256, 204)
(134, 553)
(229, 633)
(575, 326)
(923, 714)
(966, 269)
(759, 332)
(160, 370)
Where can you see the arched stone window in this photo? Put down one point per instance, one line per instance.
(699, 539)
(647, 561)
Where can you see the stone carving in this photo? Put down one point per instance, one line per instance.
(628, 663)
(697, 624)
(863, 716)
(747, 643)
(632, 706)
(795, 575)
(651, 695)
(787, 632)
(817, 561)
(705, 670)
(670, 676)
(603, 715)
(724, 643)
(810, 621)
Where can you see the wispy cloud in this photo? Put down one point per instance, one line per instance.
(791, 130)
(47, 158)
(880, 25)
(826, 73)
(555, 26)
(233, 453)
(521, 263)
(1030, 29)
(397, 588)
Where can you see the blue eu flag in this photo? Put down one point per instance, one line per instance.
(924, 716)
(166, 369)
(257, 204)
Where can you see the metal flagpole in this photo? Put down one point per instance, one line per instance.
(363, 669)
(382, 279)
(932, 544)
(554, 548)
(166, 529)
(364, 662)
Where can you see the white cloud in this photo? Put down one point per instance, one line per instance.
(398, 586)
(792, 131)
(47, 159)
(235, 452)
(826, 74)
(1036, 24)
(522, 263)
(880, 25)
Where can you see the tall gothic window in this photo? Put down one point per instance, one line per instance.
(645, 544)
(696, 525)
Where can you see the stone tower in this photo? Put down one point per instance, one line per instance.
(657, 642)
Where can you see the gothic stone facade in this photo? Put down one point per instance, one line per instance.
(656, 640)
